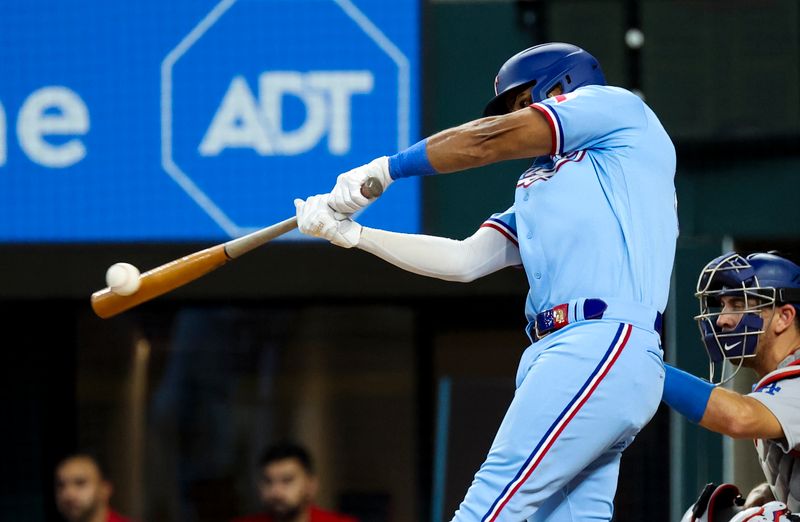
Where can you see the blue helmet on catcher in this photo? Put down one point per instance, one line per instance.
(761, 281)
(543, 67)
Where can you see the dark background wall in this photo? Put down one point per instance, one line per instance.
(723, 76)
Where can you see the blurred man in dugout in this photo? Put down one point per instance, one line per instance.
(82, 490)
(287, 487)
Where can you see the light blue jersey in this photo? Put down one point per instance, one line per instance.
(598, 218)
(596, 228)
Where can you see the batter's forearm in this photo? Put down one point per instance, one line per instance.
(489, 140)
(469, 146)
(524, 134)
(442, 258)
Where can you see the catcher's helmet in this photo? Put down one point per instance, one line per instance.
(762, 280)
(544, 66)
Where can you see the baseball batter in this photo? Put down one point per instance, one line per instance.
(594, 225)
(749, 315)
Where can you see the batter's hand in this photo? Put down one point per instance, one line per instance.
(316, 218)
(346, 195)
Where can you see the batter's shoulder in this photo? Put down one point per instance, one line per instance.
(608, 100)
(608, 90)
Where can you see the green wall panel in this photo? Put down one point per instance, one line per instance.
(466, 43)
(741, 198)
(569, 19)
(723, 70)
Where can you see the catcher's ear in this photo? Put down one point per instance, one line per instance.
(784, 317)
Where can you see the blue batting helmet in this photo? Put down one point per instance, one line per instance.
(543, 67)
(762, 280)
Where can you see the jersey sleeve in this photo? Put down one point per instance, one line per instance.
(593, 117)
(782, 398)
(505, 223)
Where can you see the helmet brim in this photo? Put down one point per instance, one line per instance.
(498, 105)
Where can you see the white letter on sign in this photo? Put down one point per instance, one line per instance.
(242, 122)
(236, 123)
(341, 86)
(54, 111)
(272, 87)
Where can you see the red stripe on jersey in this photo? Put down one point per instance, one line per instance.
(500, 229)
(577, 157)
(553, 130)
(786, 374)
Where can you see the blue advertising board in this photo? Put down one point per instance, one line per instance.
(197, 120)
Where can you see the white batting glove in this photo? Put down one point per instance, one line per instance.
(316, 218)
(346, 195)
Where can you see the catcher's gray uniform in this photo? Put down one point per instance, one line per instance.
(780, 458)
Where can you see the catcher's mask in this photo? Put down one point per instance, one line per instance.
(754, 283)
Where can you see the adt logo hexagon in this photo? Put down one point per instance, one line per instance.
(265, 101)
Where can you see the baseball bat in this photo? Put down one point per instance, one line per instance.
(172, 275)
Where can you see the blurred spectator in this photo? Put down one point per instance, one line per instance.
(287, 487)
(82, 490)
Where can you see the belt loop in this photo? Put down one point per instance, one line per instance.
(576, 307)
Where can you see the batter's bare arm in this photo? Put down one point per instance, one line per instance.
(521, 134)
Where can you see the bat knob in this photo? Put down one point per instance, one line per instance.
(371, 188)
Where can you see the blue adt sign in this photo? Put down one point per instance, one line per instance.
(197, 120)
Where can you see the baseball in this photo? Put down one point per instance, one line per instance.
(634, 38)
(122, 278)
